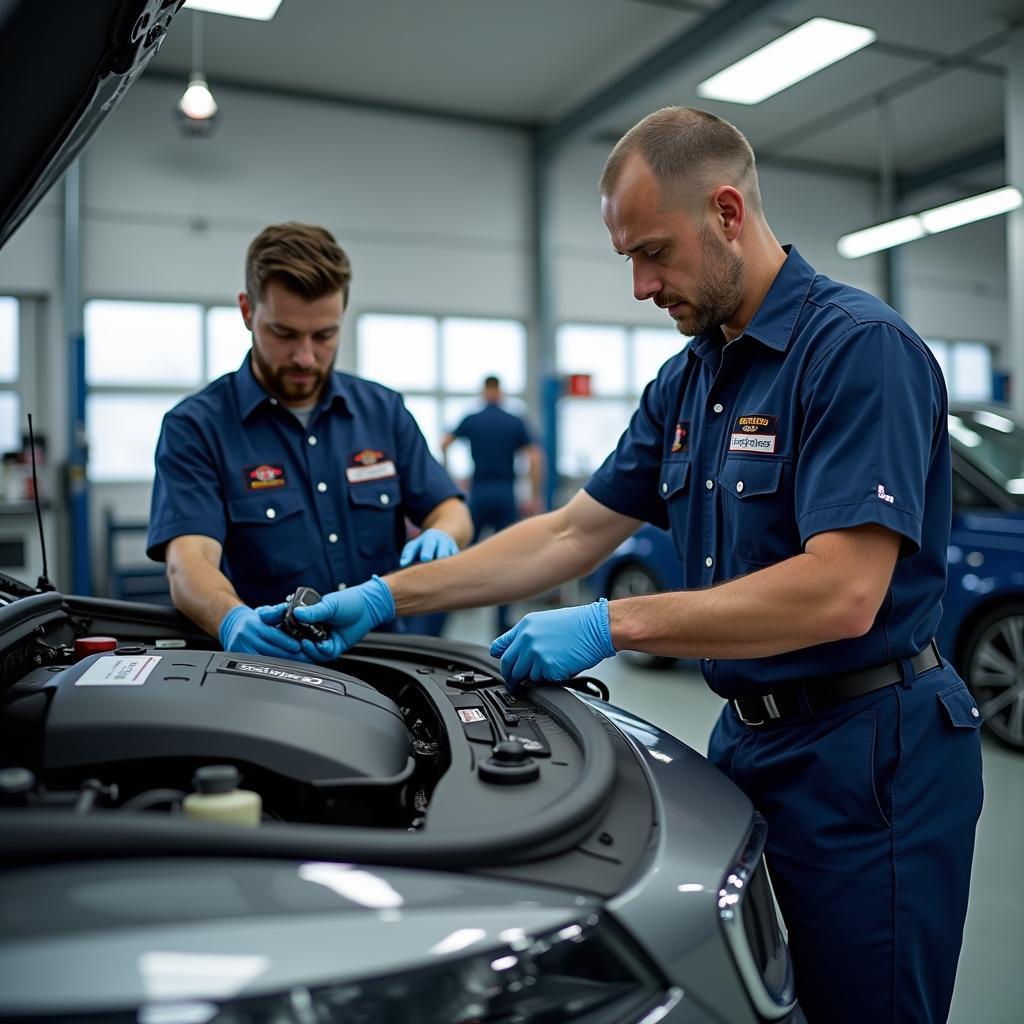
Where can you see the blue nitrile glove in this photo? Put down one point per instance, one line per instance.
(246, 631)
(430, 546)
(550, 646)
(351, 614)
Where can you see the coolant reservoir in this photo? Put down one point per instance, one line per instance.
(218, 798)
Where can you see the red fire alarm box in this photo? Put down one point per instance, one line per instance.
(578, 384)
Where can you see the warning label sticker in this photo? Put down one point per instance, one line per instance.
(117, 671)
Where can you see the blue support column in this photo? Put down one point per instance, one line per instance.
(78, 452)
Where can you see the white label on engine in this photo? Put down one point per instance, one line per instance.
(116, 671)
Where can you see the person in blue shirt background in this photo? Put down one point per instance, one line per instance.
(496, 436)
(287, 472)
(797, 448)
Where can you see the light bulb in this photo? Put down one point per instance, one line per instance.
(197, 101)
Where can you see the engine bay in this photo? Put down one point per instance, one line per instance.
(134, 725)
(408, 750)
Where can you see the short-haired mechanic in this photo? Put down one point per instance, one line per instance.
(286, 472)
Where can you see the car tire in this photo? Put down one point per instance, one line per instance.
(636, 580)
(992, 665)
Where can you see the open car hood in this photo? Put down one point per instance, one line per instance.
(64, 65)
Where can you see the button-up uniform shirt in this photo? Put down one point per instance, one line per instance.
(829, 412)
(322, 506)
(494, 436)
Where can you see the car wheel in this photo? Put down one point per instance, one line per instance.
(993, 668)
(634, 580)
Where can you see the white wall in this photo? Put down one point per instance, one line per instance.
(435, 215)
(594, 283)
(954, 285)
(430, 212)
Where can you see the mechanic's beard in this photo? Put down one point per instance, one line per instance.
(718, 295)
(279, 384)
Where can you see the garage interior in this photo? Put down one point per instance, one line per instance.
(454, 147)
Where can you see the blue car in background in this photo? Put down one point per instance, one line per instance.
(982, 627)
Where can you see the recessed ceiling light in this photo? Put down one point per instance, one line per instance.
(258, 10)
(798, 54)
(929, 222)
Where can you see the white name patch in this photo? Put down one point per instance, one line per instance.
(752, 443)
(378, 471)
(114, 671)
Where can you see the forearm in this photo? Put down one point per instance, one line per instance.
(202, 592)
(786, 607)
(453, 517)
(527, 558)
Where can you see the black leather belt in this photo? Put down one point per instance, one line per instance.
(786, 705)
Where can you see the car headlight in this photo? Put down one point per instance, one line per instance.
(586, 971)
(746, 909)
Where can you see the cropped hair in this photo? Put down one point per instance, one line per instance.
(303, 257)
(689, 152)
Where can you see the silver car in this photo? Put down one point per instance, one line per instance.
(428, 847)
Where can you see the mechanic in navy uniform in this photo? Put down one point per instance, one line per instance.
(287, 472)
(797, 449)
(496, 436)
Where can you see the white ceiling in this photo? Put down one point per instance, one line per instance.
(935, 75)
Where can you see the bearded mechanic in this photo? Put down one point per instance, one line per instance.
(797, 449)
(287, 472)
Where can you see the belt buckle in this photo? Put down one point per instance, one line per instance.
(770, 709)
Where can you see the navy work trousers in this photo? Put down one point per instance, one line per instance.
(871, 808)
(492, 504)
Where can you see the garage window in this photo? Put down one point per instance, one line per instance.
(141, 359)
(620, 362)
(439, 365)
(967, 367)
(10, 365)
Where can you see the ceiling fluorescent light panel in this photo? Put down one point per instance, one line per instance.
(929, 222)
(257, 10)
(787, 60)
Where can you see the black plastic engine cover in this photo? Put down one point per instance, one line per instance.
(305, 723)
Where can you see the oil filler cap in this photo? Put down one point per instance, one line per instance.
(509, 765)
(86, 645)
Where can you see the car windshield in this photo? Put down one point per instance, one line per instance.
(994, 443)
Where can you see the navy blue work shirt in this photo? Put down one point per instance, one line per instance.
(319, 507)
(494, 436)
(829, 412)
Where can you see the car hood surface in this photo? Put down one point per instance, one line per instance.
(64, 65)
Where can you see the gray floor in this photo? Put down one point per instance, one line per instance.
(990, 981)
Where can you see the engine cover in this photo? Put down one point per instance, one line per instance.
(308, 724)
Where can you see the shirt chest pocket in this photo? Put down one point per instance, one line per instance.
(375, 507)
(673, 486)
(758, 522)
(268, 535)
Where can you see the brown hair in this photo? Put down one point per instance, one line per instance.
(303, 257)
(690, 152)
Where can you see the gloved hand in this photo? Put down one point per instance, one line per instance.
(549, 646)
(430, 546)
(351, 614)
(246, 630)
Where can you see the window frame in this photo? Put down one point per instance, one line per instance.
(438, 393)
(23, 381)
(951, 345)
(149, 388)
(629, 395)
